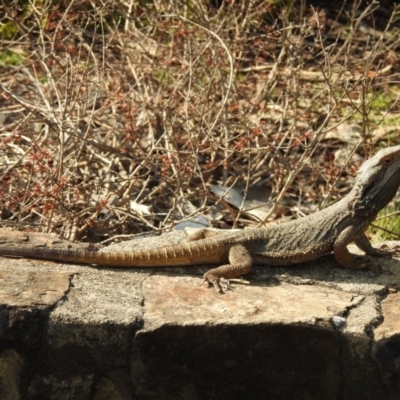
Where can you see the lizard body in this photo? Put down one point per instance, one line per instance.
(308, 238)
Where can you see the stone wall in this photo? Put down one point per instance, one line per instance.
(315, 331)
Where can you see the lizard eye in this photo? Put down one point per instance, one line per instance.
(387, 161)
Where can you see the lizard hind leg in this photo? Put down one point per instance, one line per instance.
(241, 263)
(203, 233)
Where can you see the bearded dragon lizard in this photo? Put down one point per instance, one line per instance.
(308, 238)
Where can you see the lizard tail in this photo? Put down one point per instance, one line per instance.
(199, 252)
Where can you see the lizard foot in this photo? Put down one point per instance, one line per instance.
(391, 250)
(382, 252)
(221, 285)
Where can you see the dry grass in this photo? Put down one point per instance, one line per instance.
(117, 117)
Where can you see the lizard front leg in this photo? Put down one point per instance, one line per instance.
(241, 263)
(363, 243)
(348, 260)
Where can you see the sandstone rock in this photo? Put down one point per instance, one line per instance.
(11, 370)
(25, 302)
(306, 332)
(386, 349)
(195, 344)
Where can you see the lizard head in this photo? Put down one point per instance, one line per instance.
(377, 181)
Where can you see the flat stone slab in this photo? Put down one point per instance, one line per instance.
(27, 289)
(386, 345)
(181, 300)
(391, 318)
(97, 321)
(26, 299)
(249, 338)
